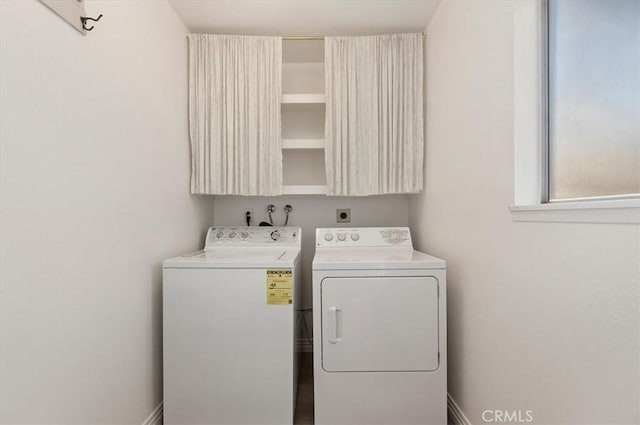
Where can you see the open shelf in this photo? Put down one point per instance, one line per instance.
(303, 115)
(303, 167)
(305, 189)
(303, 98)
(302, 143)
(296, 51)
(303, 121)
(301, 78)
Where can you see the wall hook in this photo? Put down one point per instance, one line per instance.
(84, 20)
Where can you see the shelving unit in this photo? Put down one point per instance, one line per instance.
(303, 109)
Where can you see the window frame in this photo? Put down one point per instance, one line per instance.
(544, 103)
(545, 119)
(531, 134)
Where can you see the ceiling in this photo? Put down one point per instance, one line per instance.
(305, 17)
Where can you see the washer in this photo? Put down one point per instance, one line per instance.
(379, 325)
(228, 328)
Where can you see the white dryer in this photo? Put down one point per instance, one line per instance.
(228, 328)
(379, 325)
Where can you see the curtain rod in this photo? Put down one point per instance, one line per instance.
(310, 37)
(303, 37)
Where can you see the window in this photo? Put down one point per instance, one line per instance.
(593, 108)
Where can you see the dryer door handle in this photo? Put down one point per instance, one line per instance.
(335, 315)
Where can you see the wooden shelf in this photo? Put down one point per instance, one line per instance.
(304, 190)
(302, 143)
(303, 98)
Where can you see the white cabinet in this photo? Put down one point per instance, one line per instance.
(303, 108)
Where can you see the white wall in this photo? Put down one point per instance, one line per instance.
(95, 193)
(311, 212)
(542, 316)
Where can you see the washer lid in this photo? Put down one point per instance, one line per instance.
(235, 257)
(374, 259)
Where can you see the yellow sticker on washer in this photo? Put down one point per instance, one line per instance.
(279, 286)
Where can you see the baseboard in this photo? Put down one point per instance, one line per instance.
(304, 345)
(456, 415)
(155, 418)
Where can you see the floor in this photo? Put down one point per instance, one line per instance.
(304, 403)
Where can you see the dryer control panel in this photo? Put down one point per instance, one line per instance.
(218, 236)
(364, 237)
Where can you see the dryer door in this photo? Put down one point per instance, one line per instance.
(379, 324)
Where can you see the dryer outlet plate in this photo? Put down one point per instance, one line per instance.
(343, 215)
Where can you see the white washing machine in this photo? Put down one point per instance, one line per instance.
(228, 328)
(379, 325)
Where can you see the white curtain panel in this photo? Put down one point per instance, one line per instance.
(235, 85)
(374, 120)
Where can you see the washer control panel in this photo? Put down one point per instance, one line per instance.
(252, 236)
(363, 237)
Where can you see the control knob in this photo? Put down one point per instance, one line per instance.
(220, 234)
(275, 235)
(232, 235)
(342, 236)
(394, 236)
(244, 235)
(328, 237)
(355, 237)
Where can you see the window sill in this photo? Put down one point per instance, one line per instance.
(621, 211)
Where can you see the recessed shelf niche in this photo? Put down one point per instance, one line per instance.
(303, 110)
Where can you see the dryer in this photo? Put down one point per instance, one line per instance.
(379, 325)
(229, 328)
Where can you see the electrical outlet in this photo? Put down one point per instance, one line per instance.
(343, 215)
